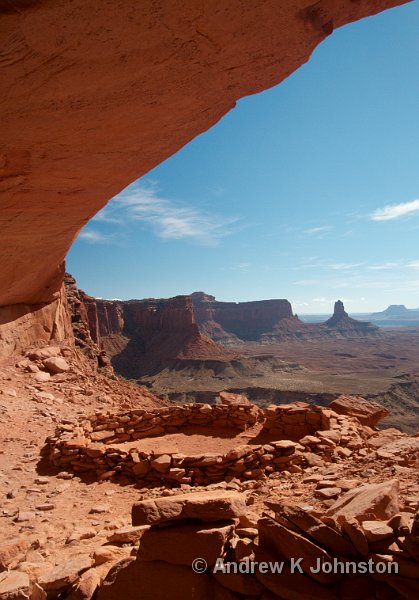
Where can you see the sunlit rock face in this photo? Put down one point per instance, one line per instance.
(238, 320)
(141, 336)
(97, 94)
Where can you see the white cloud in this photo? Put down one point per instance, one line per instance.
(414, 264)
(394, 211)
(94, 237)
(319, 230)
(306, 282)
(346, 266)
(168, 219)
(384, 266)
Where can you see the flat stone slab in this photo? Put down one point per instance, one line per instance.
(206, 506)
(368, 502)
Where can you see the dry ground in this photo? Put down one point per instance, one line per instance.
(53, 511)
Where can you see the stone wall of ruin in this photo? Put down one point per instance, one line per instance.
(94, 445)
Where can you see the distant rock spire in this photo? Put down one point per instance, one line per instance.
(339, 310)
(342, 322)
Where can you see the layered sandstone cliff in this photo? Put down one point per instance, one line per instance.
(140, 336)
(191, 333)
(232, 321)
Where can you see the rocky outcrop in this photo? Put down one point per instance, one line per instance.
(22, 325)
(141, 336)
(341, 322)
(142, 79)
(159, 334)
(200, 545)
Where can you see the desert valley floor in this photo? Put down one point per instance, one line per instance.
(385, 369)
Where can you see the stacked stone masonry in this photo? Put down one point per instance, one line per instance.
(295, 421)
(95, 444)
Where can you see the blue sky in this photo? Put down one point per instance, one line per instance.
(308, 191)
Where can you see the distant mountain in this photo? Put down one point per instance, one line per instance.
(396, 310)
(395, 315)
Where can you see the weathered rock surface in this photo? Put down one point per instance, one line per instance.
(287, 561)
(10, 550)
(206, 506)
(56, 364)
(368, 502)
(229, 398)
(155, 580)
(65, 574)
(23, 324)
(182, 544)
(14, 585)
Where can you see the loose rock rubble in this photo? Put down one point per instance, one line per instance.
(338, 489)
(331, 562)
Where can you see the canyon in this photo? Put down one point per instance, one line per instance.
(190, 348)
(155, 333)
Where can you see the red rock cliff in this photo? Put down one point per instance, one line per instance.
(245, 320)
(142, 336)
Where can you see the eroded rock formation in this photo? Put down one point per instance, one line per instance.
(141, 336)
(144, 337)
(89, 90)
(235, 321)
(269, 321)
(341, 322)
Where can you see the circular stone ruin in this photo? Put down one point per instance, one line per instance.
(197, 444)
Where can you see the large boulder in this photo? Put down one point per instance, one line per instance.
(230, 398)
(65, 574)
(10, 551)
(290, 544)
(155, 580)
(366, 411)
(45, 352)
(56, 364)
